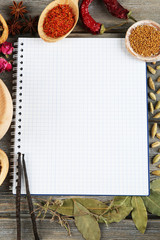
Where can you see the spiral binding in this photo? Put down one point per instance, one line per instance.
(17, 116)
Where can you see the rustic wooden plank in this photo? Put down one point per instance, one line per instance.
(50, 230)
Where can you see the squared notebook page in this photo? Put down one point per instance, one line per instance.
(83, 117)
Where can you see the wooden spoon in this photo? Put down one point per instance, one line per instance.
(4, 166)
(6, 109)
(130, 49)
(72, 3)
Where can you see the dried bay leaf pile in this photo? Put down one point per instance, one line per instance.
(89, 213)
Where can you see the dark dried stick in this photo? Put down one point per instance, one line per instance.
(18, 199)
(29, 199)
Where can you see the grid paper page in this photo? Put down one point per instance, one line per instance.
(83, 117)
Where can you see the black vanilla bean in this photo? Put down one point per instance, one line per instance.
(29, 199)
(18, 198)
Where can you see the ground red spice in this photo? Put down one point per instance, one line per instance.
(59, 21)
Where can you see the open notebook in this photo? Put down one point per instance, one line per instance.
(81, 117)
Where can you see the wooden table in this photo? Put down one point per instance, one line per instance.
(144, 9)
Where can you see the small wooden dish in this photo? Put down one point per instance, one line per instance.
(4, 166)
(72, 3)
(6, 109)
(130, 49)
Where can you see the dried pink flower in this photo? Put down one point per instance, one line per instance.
(4, 65)
(8, 67)
(6, 48)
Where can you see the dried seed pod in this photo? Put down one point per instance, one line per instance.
(158, 91)
(155, 144)
(157, 115)
(158, 67)
(153, 63)
(151, 70)
(156, 172)
(158, 136)
(152, 96)
(154, 130)
(151, 108)
(158, 79)
(156, 158)
(157, 105)
(5, 32)
(151, 83)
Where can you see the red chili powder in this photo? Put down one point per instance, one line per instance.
(59, 21)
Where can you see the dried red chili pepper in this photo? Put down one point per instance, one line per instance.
(117, 10)
(92, 26)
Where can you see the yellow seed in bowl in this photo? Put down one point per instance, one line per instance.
(153, 63)
(158, 67)
(158, 91)
(158, 79)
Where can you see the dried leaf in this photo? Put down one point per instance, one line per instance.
(155, 185)
(93, 205)
(154, 130)
(152, 96)
(151, 108)
(86, 223)
(156, 158)
(139, 214)
(151, 83)
(120, 209)
(152, 202)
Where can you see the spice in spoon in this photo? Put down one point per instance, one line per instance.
(145, 40)
(59, 21)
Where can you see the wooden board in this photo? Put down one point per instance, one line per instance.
(6, 109)
(144, 9)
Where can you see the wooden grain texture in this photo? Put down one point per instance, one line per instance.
(144, 9)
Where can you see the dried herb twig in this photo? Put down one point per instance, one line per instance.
(29, 199)
(18, 198)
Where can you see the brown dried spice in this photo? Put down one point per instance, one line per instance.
(145, 40)
(14, 27)
(17, 10)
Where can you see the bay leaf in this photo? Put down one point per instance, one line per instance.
(139, 214)
(93, 205)
(86, 223)
(119, 201)
(120, 209)
(152, 202)
(155, 185)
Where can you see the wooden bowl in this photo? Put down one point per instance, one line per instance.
(72, 3)
(130, 49)
(5, 33)
(4, 166)
(6, 109)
